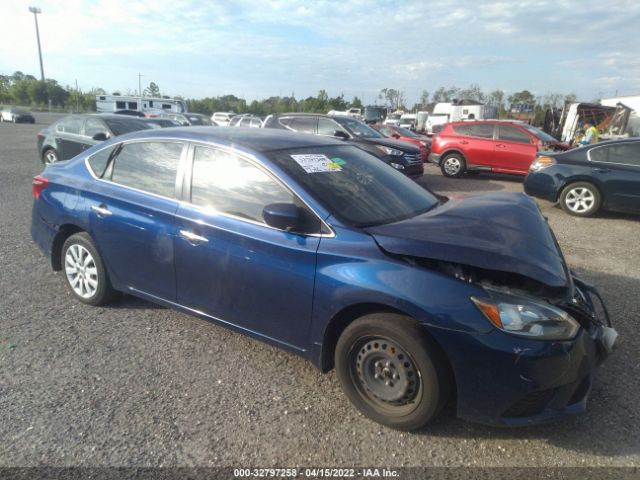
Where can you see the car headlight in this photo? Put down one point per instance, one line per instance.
(397, 166)
(390, 151)
(541, 162)
(526, 317)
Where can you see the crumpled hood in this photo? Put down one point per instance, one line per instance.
(496, 231)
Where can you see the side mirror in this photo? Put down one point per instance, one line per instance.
(395, 135)
(284, 216)
(185, 124)
(99, 137)
(341, 134)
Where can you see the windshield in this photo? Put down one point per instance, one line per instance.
(355, 186)
(120, 126)
(545, 137)
(358, 129)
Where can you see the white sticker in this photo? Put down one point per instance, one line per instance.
(315, 163)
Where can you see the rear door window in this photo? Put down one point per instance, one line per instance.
(98, 161)
(304, 124)
(622, 153)
(511, 134)
(148, 166)
(481, 130)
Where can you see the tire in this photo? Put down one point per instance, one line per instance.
(392, 371)
(15, 120)
(84, 271)
(453, 165)
(581, 199)
(50, 156)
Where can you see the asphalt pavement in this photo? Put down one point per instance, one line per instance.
(134, 384)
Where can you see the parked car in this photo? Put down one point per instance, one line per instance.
(393, 119)
(491, 145)
(584, 180)
(407, 136)
(189, 119)
(400, 155)
(16, 115)
(222, 118)
(315, 246)
(73, 134)
(250, 121)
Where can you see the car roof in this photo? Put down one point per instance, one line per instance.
(252, 138)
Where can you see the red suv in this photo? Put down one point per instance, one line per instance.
(494, 146)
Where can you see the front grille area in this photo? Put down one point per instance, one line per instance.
(411, 158)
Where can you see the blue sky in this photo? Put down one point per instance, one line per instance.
(258, 48)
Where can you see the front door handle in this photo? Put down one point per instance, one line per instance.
(192, 237)
(601, 170)
(101, 210)
(501, 145)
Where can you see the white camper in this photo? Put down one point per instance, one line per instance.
(113, 103)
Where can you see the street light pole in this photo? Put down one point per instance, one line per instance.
(36, 11)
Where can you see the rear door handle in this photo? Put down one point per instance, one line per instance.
(500, 145)
(192, 237)
(463, 142)
(101, 210)
(601, 170)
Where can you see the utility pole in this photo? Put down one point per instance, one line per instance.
(140, 85)
(36, 11)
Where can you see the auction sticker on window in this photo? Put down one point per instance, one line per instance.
(315, 163)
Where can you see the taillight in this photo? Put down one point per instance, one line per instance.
(38, 183)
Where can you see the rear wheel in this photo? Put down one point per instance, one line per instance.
(84, 271)
(391, 371)
(50, 156)
(581, 199)
(453, 165)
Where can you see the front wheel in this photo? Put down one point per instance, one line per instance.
(581, 199)
(391, 371)
(84, 271)
(453, 165)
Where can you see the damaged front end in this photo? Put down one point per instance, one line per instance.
(551, 328)
(581, 301)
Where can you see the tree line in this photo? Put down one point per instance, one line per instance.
(25, 89)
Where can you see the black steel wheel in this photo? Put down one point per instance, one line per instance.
(392, 371)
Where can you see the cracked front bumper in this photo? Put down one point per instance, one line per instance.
(503, 379)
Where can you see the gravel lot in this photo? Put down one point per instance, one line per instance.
(139, 385)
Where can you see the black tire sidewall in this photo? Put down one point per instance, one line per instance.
(104, 293)
(411, 337)
(463, 165)
(596, 204)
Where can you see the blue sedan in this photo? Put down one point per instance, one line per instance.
(604, 175)
(321, 249)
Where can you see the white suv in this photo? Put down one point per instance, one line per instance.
(222, 118)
